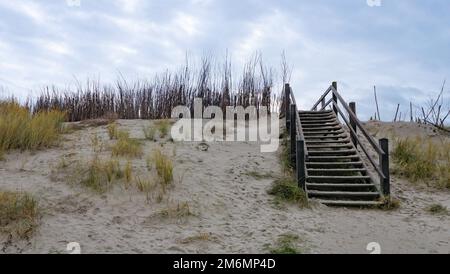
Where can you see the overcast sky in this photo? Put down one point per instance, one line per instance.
(402, 46)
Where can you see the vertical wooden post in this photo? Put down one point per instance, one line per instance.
(384, 164)
(287, 104)
(334, 84)
(323, 103)
(301, 172)
(293, 132)
(353, 123)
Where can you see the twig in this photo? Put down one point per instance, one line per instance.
(396, 113)
(376, 102)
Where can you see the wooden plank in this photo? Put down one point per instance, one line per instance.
(334, 163)
(349, 203)
(337, 170)
(343, 193)
(339, 177)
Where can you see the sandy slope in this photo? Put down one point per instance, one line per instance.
(229, 205)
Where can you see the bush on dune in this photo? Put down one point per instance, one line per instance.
(423, 160)
(18, 214)
(21, 130)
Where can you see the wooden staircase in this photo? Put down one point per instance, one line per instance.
(327, 163)
(336, 174)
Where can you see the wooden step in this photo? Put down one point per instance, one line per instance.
(319, 122)
(314, 111)
(321, 128)
(342, 141)
(346, 203)
(344, 194)
(318, 118)
(340, 187)
(324, 133)
(332, 158)
(336, 179)
(329, 146)
(342, 136)
(333, 152)
(336, 170)
(307, 126)
(333, 164)
(321, 114)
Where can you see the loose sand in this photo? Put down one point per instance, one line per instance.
(232, 211)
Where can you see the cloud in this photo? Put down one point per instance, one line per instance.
(401, 47)
(130, 6)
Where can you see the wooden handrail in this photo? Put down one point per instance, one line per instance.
(352, 132)
(299, 150)
(358, 123)
(353, 123)
(321, 98)
(326, 104)
(300, 134)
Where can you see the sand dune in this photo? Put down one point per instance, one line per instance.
(230, 210)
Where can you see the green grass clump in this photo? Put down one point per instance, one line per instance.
(286, 189)
(285, 155)
(164, 167)
(163, 127)
(19, 214)
(128, 172)
(112, 171)
(112, 131)
(100, 176)
(146, 186)
(150, 133)
(437, 209)
(286, 244)
(125, 146)
(423, 161)
(21, 130)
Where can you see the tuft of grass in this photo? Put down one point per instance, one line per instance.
(181, 210)
(149, 132)
(125, 146)
(113, 171)
(145, 186)
(94, 177)
(423, 161)
(21, 130)
(164, 167)
(163, 127)
(128, 172)
(285, 155)
(286, 189)
(100, 176)
(112, 131)
(437, 209)
(19, 214)
(286, 244)
(389, 203)
(96, 143)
